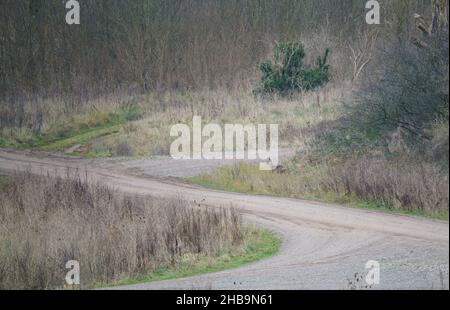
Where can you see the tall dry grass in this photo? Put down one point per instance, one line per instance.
(46, 221)
(296, 116)
(399, 185)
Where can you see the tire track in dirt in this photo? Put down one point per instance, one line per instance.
(324, 245)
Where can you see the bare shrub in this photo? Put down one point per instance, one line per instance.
(398, 185)
(407, 88)
(46, 221)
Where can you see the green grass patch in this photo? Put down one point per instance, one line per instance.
(80, 138)
(70, 132)
(239, 178)
(258, 244)
(7, 143)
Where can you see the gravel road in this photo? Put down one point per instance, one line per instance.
(324, 245)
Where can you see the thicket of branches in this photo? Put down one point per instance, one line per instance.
(157, 44)
(408, 90)
(401, 102)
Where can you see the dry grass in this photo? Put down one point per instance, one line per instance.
(150, 135)
(155, 44)
(401, 185)
(47, 221)
(35, 113)
(249, 179)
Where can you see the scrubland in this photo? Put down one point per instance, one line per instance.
(46, 221)
(375, 135)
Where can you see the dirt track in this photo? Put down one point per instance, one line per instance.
(324, 245)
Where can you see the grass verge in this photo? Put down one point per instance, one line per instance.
(80, 138)
(312, 183)
(257, 244)
(443, 216)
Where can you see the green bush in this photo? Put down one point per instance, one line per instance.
(287, 73)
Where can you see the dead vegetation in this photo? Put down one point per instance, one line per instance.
(400, 185)
(203, 61)
(397, 185)
(46, 221)
(143, 46)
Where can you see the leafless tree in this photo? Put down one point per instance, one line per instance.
(361, 51)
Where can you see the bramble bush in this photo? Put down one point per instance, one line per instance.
(288, 73)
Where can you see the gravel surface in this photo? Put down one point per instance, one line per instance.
(324, 245)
